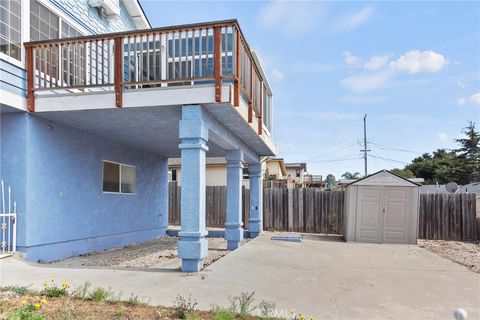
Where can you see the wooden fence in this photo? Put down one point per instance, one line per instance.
(447, 217)
(441, 216)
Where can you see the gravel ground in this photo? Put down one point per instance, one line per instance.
(464, 253)
(159, 253)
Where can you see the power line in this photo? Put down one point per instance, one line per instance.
(331, 152)
(336, 160)
(379, 146)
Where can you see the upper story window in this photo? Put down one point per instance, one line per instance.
(10, 28)
(44, 24)
(297, 173)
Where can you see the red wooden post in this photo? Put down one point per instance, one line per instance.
(118, 71)
(250, 104)
(236, 87)
(30, 78)
(260, 113)
(217, 61)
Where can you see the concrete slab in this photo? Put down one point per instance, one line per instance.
(324, 278)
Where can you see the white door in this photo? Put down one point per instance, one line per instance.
(369, 214)
(396, 220)
(382, 215)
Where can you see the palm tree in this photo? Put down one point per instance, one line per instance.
(351, 176)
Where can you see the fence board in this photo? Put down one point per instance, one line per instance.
(441, 216)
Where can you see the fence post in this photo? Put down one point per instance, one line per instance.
(290, 209)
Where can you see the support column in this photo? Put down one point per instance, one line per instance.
(193, 247)
(233, 225)
(255, 219)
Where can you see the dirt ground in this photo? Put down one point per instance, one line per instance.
(464, 253)
(159, 253)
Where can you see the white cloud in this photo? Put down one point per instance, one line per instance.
(294, 18)
(442, 136)
(366, 82)
(419, 61)
(475, 98)
(354, 20)
(376, 62)
(277, 75)
(350, 59)
(461, 101)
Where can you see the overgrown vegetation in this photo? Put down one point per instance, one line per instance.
(61, 302)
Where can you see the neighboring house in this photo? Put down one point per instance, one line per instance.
(216, 172)
(313, 181)
(296, 173)
(433, 188)
(88, 125)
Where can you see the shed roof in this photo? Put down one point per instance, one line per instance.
(384, 178)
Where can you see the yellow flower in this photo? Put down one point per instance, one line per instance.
(43, 301)
(65, 284)
(302, 316)
(37, 306)
(312, 318)
(45, 284)
(24, 302)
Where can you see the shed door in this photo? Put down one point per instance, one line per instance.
(369, 213)
(382, 215)
(396, 222)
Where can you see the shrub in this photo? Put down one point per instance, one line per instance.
(243, 304)
(185, 307)
(26, 312)
(101, 294)
(266, 308)
(133, 300)
(18, 290)
(82, 292)
(219, 313)
(51, 290)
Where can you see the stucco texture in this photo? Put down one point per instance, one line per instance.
(62, 209)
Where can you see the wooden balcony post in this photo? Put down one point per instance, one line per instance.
(260, 112)
(118, 71)
(250, 104)
(30, 78)
(217, 61)
(236, 87)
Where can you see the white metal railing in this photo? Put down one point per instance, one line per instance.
(8, 225)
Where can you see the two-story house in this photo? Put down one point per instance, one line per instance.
(93, 104)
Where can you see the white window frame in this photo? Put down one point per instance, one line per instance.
(120, 178)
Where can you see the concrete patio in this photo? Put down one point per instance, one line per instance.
(320, 276)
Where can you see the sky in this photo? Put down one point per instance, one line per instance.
(412, 67)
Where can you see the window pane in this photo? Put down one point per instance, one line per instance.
(111, 177)
(128, 179)
(10, 28)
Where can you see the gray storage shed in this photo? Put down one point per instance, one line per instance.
(382, 208)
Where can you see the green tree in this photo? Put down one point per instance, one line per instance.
(331, 183)
(469, 152)
(405, 173)
(351, 176)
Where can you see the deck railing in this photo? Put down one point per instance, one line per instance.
(214, 53)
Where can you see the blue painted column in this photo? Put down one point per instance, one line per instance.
(233, 224)
(193, 247)
(255, 218)
(163, 193)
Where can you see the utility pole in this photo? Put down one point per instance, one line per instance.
(365, 149)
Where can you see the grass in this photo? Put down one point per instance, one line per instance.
(99, 303)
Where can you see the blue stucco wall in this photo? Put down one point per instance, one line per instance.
(13, 164)
(91, 18)
(66, 211)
